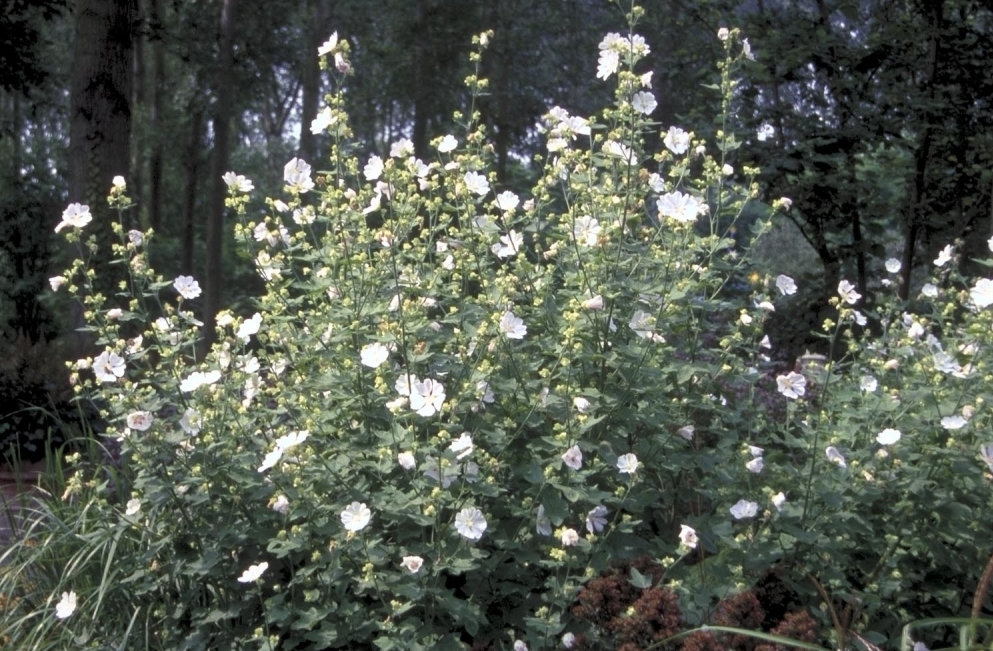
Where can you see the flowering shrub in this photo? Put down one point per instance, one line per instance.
(455, 406)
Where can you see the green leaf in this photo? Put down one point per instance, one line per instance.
(639, 580)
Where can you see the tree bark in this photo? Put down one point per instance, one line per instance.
(213, 275)
(918, 200)
(317, 24)
(102, 77)
(155, 115)
(192, 164)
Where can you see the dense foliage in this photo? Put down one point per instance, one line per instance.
(457, 416)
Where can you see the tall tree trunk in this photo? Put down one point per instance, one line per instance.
(192, 164)
(139, 99)
(213, 275)
(100, 116)
(317, 26)
(916, 212)
(155, 115)
(16, 132)
(422, 87)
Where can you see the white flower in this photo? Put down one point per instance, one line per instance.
(687, 432)
(249, 327)
(66, 605)
(119, 183)
(507, 201)
(929, 290)
(568, 640)
(727, 170)
(476, 183)
(643, 325)
(596, 519)
(744, 509)
(542, 524)
(627, 464)
(573, 457)
(509, 245)
(687, 536)
(835, 457)
(291, 440)
(785, 285)
(569, 537)
(139, 420)
(755, 451)
(512, 327)
(847, 292)
(893, 265)
(115, 313)
(982, 293)
(793, 385)
(677, 141)
(197, 379)
(75, 216)
(281, 505)
(868, 384)
(356, 516)
(680, 207)
(373, 169)
(108, 366)
(765, 343)
(586, 230)
(402, 148)
(953, 422)
(859, 318)
(329, 45)
(325, 118)
(723, 33)
(581, 404)
(594, 304)
(625, 153)
(253, 573)
(945, 363)
(404, 383)
(406, 460)
(643, 102)
(484, 391)
(56, 282)
(746, 49)
(296, 175)
(888, 436)
(607, 64)
(373, 355)
(778, 500)
(427, 397)
(755, 465)
(944, 256)
(462, 446)
(470, 523)
(271, 458)
(412, 564)
(133, 507)
(519, 645)
(447, 144)
(237, 182)
(191, 422)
